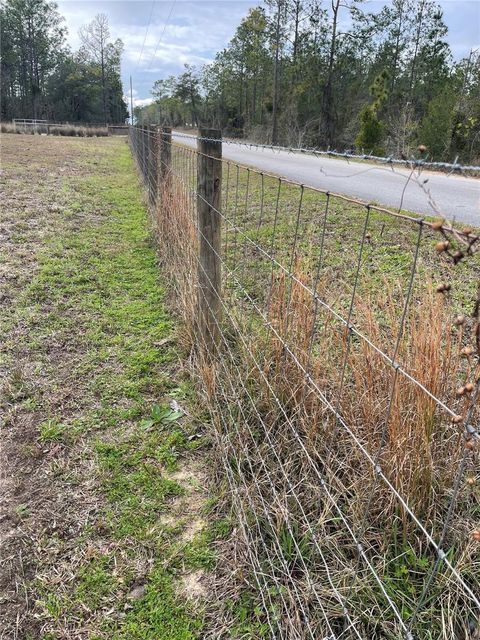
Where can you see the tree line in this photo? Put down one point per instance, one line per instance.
(42, 78)
(298, 74)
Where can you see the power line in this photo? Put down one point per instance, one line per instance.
(162, 34)
(146, 33)
(144, 41)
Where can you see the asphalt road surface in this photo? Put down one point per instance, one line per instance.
(456, 197)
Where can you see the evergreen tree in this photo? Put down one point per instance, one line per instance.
(436, 128)
(371, 131)
(33, 39)
(296, 72)
(41, 79)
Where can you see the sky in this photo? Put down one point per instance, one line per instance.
(160, 37)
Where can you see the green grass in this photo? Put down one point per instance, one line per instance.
(97, 291)
(95, 582)
(157, 615)
(52, 431)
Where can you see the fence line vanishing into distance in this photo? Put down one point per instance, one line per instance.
(342, 379)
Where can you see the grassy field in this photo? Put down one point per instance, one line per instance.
(104, 508)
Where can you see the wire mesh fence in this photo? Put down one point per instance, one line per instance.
(343, 381)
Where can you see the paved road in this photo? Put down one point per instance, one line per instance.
(457, 197)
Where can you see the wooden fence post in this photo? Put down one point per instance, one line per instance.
(153, 163)
(209, 191)
(165, 158)
(143, 155)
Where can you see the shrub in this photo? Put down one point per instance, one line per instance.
(56, 130)
(371, 132)
(7, 127)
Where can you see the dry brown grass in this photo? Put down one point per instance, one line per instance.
(398, 422)
(7, 127)
(78, 131)
(56, 130)
(420, 446)
(287, 365)
(177, 245)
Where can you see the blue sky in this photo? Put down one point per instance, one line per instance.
(192, 32)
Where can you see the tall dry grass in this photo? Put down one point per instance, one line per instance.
(286, 365)
(7, 127)
(414, 441)
(417, 443)
(178, 246)
(77, 131)
(56, 130)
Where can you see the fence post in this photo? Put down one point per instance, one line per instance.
(145, 154)
(165, 159)
(153, 163)
(209, 190)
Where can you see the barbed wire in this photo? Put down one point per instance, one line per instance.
(417, 163)
(443, 224)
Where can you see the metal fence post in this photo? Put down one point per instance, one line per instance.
(209, 190)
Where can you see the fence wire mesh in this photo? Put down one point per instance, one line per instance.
(343, 388)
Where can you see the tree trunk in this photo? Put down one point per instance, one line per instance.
(276, 78)
(397, 47)
(295, 38)
(328, 112)
(417, 45)
(194, 107)
(104, 89)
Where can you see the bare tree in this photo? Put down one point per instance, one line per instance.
(95, 38)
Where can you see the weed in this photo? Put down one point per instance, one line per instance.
(160, 416)
(52, 431)
(23, 510)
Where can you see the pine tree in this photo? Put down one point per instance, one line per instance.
(370, 135)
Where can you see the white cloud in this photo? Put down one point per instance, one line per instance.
(138, 102)
(193, 34)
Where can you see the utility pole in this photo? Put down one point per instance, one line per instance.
(131, 101)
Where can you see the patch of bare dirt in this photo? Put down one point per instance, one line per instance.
(193, 587)
(186, 509)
